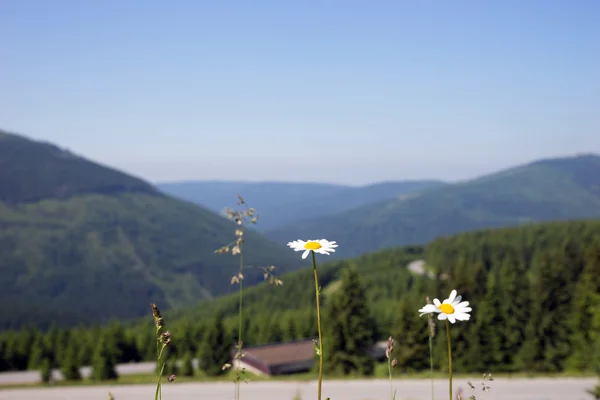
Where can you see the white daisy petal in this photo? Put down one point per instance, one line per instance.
(463, 304)
(451, 318)
(442, 316)
(305, 254)
(463, 310)
(462, 316)
(428, 309)
(452, 296)
(437, 302)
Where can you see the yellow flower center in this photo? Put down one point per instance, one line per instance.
(447, 308)
(312, 246)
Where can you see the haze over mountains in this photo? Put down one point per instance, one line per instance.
(282, 203)
(81, 242)
(400, 213)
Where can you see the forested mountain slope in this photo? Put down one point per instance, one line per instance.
(80, 242)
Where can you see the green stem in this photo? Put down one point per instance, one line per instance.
(449, 357)
(390, 372)
(431, 357)
(318, 325)
(237, 384)
(160, 372)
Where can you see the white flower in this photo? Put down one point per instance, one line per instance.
(451, 308)
(320, 246)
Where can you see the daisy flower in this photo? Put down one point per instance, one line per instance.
(320, 246)
(451, 308)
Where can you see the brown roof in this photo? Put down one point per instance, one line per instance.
(282, 353)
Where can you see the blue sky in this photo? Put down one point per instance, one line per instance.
(334, 91)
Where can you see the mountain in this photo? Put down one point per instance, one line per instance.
(546, 190)
(281, 203)
(81, 242)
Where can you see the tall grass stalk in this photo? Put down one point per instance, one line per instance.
(431, 360)
(317, 295)
(431, 325)
(391, 364)
(162, 341)
(236, 247)
(240, 327)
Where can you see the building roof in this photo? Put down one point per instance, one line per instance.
(282, 353)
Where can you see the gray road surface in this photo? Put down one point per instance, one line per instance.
(502, 389)
(19, 377)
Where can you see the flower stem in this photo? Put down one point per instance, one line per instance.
(390, 372)
(237, 384)
(431, 357)
(449, 357)
(318, 324)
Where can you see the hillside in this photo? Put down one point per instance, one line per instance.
(80, 242)
(546, 190)
(283, 203)
(532, 288)
(520, 281)
(31, 171)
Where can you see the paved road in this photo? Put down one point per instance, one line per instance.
(19, 377)
(502, 389)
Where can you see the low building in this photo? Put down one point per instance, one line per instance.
(278, 359)
(288, 358)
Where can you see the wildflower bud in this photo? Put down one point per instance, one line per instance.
(394, 363)
(390, 347)
(171, 378)
(431, 326)
(165, 338)
(158, 320)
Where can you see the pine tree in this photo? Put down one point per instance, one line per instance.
(585, 352)
(38, 353)
(187, 368)
(411, 336)
(291, 332)
(46, 370)
(548, 333)
(514, 310)
(70, 365)
(275, 332)
(104, 362)
(486, 327)
(349, 329)
(215, 350)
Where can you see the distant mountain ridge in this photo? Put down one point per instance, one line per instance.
(545, 190)
(32, 170)
(83, 243)
(281, 203)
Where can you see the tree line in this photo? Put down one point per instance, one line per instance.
(534, 290)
